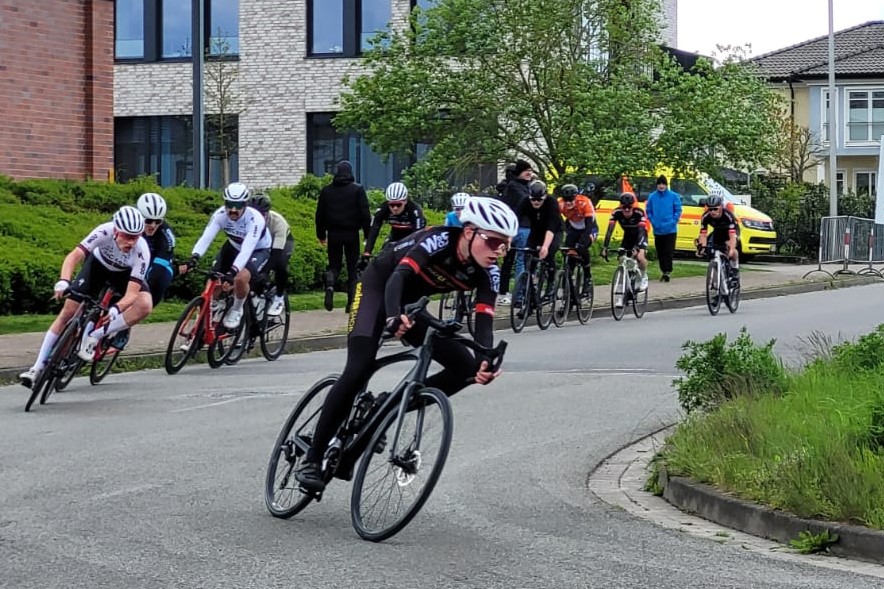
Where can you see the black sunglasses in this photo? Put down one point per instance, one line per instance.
(234, 204)
(153, 221)
(536, 198)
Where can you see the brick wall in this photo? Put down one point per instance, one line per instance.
(56, 80)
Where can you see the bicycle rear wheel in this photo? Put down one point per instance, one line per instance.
(562, 304)
(104, 361)
(713, 284)
(186, 337)
(584, 298)
(448, 306)
(469, 308)
(275, 333)
(70, 372)
(639, 303)
(282, 494)
(733, 297)
(521, 304)
(224, 346)
(391, 486)
(618, 293)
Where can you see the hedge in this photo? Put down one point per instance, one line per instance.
(42, 220)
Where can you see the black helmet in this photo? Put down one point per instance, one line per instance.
(568, 192)
(537, 190)
(260, 201)
(713, 201)
(627, 199)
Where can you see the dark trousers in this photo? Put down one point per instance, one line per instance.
(279, 263)
(343, 242)
(665, 245)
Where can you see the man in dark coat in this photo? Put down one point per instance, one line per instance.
(341, 212)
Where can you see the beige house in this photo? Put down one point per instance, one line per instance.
(801, 73)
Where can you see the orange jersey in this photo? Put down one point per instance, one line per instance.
(581, 210)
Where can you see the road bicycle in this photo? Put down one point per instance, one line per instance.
(458, 307)
(721, 282)
(571, 292)
(624, 286)
(63, 362)
(533, 292)
(201, 324)
(271, 331)
(400, 440)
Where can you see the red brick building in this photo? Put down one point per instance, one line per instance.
(56, 88)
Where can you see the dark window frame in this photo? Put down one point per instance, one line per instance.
(352, 29)
(153, 36)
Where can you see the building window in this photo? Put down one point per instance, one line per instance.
(129, 29)
(344, 27)
(824, 132)
(865, 119)
(864, 182)
(326, 147)
(163, 147)
(152, 30)
(839, 181)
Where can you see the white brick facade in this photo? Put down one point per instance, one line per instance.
(670, 23)
(279, 83)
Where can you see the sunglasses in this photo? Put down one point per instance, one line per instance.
(234, 205)
(713, 209)
(536, 199)
(395, 205)
(153, 221)
(494, 243)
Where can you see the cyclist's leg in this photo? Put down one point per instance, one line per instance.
(362, 346)
(458, 362)
(159, 277)
(551, 263)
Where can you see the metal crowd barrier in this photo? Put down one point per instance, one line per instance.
(846, 240)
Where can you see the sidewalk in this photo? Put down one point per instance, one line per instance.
(17, 350)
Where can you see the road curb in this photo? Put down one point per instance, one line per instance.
(709, 503)
(336, 341)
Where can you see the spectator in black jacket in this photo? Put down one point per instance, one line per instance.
(546, 227)
(514, 194)
(341, 212)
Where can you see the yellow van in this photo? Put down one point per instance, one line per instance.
(756, 234)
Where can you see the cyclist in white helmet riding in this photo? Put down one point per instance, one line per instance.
(161, 241)
(113, 254)
(434, 260)
(458, 202)
(404, 217)
(245, 252)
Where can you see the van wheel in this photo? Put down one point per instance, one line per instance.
(744, 258)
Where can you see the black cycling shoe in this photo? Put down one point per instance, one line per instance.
(310, 477)
(329, 298)
(664, 278)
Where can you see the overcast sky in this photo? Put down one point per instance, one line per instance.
(767, 24)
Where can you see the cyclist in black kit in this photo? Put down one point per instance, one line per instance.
(724, 231)
(635, 233)
(404, 216)
(435, 260)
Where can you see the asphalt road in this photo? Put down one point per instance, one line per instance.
(155, 481)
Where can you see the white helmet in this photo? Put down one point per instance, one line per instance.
(459, 200)
(237, 192)
(152, 206)
(396, 192)
(490, 214)
(129, 220)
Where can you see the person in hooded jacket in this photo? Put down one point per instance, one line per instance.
(514, 193)
(342, 210)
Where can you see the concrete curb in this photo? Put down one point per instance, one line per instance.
(709, 503)
(328, 342)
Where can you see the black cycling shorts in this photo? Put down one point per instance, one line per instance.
(94, 276)
(633, 242)
(227, 254)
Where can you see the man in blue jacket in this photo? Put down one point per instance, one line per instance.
(664, 210)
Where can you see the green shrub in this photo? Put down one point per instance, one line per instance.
(716, 371)
(866, 353)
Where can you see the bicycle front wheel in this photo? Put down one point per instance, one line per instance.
(186, 337)
(585, 296)
(521, 304)
(733, 298)
(101, 365)
(275, 333)
(63, 358)
(713, 287)
(618, 293)
(282, 493)
(640, 303)
(393, 483)
(546, 299)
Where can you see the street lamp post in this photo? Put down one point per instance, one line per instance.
(833, 126)
(199, 136)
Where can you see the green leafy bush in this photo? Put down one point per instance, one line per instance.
(716, 371)
(866, 353)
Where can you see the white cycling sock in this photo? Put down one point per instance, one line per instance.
(118, 323)
(237, 303)
(48, 341)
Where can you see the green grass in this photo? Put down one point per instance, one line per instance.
(816, 451)
(167, 311)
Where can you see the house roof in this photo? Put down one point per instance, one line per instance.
(859, 51)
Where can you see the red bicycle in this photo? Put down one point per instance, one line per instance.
(201, 325)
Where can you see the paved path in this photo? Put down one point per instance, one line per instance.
(18, 350)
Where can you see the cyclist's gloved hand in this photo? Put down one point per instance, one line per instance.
(192, 262)
(484, 375)
(397, 326)
(61, 286)
(229, 276)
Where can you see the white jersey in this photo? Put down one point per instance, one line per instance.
(247, 234)
(100, 243)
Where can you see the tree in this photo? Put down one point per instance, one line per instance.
(570, 85)
(799, 149)
(224, 104)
